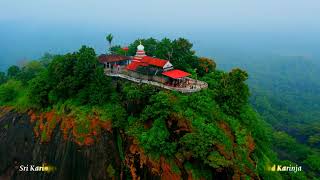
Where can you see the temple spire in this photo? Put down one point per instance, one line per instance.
(140, 51)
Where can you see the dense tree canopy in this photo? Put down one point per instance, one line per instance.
(74, 75)
(178, 51)
(233, 93)
(3, 77)
(206, 66)
(13, 71)
(10, 91)
(206, 133)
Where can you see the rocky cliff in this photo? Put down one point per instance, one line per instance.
(22, 146)
(19, 146)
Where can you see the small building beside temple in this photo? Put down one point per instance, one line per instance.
(112, 60)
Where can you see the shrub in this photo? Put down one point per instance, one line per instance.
(9, 91)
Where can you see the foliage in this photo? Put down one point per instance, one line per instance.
(10, 91)
(160, 108)
(287, 143)
(39, 90)
(198, 143)
(207, 131)
(232, 92)
(112, 111)
(206, 66)
(3, 78)
(117, 49)
(13, 71)
(29, 71)
(299, 175)
(109, 38)
(149, 44)
(69, 76)
(178, 51)
(183, 57)
(313, 161)
(111, 171)
(215, 160)
(156, 139)
(98, 91)
(164, 49)
(135, 97)
(198, 171)
(285, 92)
(46, 59)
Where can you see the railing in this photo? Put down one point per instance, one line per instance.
(194, 86)
(201, 84)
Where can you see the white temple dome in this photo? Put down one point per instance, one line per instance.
(140, 47)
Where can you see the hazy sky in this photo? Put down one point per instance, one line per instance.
(202, 15)
(28, 28)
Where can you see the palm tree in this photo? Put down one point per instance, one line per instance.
(109, 38)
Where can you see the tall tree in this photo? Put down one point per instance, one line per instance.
(233, 92)
(30, 70)
(164, 49)
(109, 38)
(13, 71)
(205, 66)
(150, 46)
(3, 78)
(183, 57)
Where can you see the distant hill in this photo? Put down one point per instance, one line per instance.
(285, 91)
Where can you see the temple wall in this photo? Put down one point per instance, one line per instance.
(145, 77)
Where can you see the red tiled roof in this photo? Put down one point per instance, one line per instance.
(176, 74)
(112, 58)
(154, 61)
(145, 61)
(134, 65)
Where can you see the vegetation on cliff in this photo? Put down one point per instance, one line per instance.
(209, 134)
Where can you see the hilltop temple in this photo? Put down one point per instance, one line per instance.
(150, 70)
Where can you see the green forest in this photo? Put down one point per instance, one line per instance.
(231, 129)
(285, 91)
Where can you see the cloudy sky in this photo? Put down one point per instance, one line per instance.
(250, 15)
(28, 28)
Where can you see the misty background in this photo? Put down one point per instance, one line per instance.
(221, 30)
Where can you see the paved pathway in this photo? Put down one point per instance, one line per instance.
(198, 85)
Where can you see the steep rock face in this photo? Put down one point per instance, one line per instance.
(18, 146)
